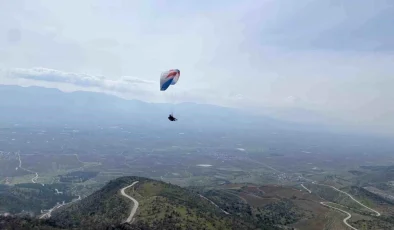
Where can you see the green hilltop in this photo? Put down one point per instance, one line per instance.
(161, 206)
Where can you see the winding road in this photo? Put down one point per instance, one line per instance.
(49, 212)
(338, 209)
(344, 220)
(358, 202)
(135, 206)
(34, 179)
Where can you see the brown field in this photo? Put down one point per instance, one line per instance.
(316, 219)
(232, 186)
(257, 200)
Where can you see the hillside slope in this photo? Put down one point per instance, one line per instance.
(31, 198)
(162, 206)
(102, 208)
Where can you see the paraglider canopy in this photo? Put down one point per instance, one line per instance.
(168, 78)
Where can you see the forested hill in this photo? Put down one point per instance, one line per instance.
(161, 206)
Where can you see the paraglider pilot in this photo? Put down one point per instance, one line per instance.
(167, 79)
(171, 118)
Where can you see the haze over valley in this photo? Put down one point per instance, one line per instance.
(62, 153)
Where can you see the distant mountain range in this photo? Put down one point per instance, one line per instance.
(47, 106)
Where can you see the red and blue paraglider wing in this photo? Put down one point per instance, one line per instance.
(168, 78)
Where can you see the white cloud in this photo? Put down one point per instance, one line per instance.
(126, 86)
(122, 84)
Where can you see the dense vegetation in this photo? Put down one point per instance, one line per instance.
(104, 207)
(383, 222)
(162, 206)
(173, 207)
(31, 198)
(169, 207)
(24, 223)
(283, 212)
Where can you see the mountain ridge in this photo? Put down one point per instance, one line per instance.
(162, 206)
(49, 106)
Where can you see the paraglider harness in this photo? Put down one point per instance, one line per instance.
(171, 118)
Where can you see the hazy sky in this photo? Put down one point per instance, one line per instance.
(335, 57)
